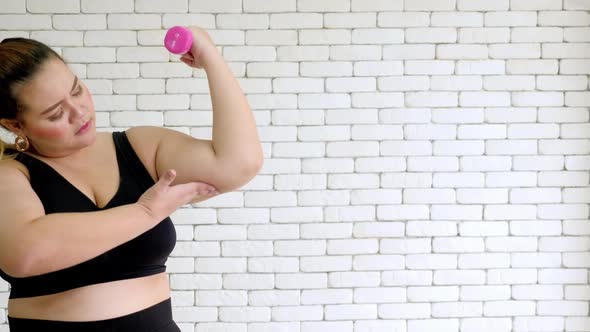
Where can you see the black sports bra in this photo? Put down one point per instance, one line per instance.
(142, 256)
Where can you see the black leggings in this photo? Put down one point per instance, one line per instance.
(157, 318)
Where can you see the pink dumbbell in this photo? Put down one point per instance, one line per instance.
(178, 40)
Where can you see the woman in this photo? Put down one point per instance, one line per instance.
(84, 226)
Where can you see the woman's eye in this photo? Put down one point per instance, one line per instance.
(57, 116)
(78, 92)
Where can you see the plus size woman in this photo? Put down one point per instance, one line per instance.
(84, 215)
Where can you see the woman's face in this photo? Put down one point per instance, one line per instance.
(58, 116)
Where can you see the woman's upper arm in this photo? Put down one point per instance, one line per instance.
(19, 206)
(193, 159)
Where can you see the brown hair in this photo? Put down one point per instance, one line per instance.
(20, 60)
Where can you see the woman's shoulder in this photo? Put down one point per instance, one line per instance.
(9, 166)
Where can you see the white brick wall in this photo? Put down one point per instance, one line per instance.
(427, 161)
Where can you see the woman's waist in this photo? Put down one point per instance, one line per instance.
(94, 302)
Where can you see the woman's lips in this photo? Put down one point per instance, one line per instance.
(83, 128)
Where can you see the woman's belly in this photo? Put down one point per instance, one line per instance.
(94, 302)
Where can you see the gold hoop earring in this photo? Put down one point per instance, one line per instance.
(21, 143)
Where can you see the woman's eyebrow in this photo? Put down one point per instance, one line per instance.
(59, 102)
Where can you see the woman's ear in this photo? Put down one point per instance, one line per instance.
(12, 124)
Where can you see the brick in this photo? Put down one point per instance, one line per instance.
(273, 297)
(536, 35)
(532, 66)
(431, 261)
(486, 324)
(378, 68)
(480, 67)
(13, 7)
(302, 281)
(221, 298)
(564, 18)
(462, 52)
(487, 293)
(509, 83)
(378, 262)
(330, 69)
(303, 53)
(271, 326)
(113, 70)
(107, 6)
(511, 19)
(148, 6)
(110, 38)
(300, 248)
(326, 263)
(402, 19)
(344, 326)
(271, 37)
(515, 51)
(484, 99)
(537, 260)
(430, 5)
(326, 296)
(377, 100)
(262, 6)
(425, 228)
(273, 264)
(242, 21)
(324, 36)
(297, 313)
(405, 311)
(328, 100)
(244, 314)
(536, 5)
(25, 22)
(483, 5)
(355, 52)
(581, 34)
(459, 277)
(205, 21)
(562, 308)
(222, 6)
(456, 19)
(54, 7)
(377, 36)
(134, 21)
(353, 279)
(296, 21)
(484, 35)
(427, 67)
(431, 35)
(275, 69)
(100, 87)
(576, 4)
(206, 326)
(80, 22)
(379, 295)
(351, 311)
(512, 276)
(458, 245)
(227, 37)
(142, 54)
(538, 323)
(89, 54)
(246, 280)
(457, 309)
(220, 265)
(195, 281)
(323, 6)
(406, 277)
(350, 20)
